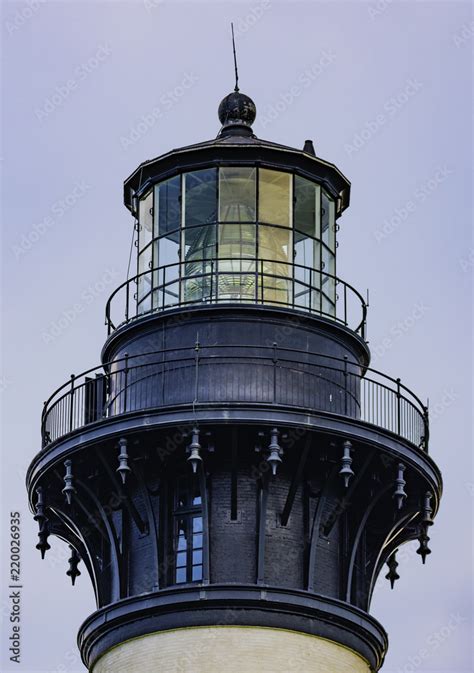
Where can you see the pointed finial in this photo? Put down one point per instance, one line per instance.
(73, 561)
(194, 451)
(392, 574)
(236, 88)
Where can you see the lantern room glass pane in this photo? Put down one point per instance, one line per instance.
(199, 244)
(200, 197)
(237, 240)
(328, 221)
(275, 197)
(307, 208)
(236, 259)
(199, 250)
(166, 273)
(145, 219)
(274, 265)
(167, 206)
(237, 194)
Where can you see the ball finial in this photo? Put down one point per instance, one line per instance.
(237, 109)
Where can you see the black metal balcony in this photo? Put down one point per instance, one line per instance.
(232, 375)
(237, 280)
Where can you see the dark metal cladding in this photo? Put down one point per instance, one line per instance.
(235, 463)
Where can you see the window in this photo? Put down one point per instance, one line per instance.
(328, 222)
(200, 197)
(274, 247)
(145, 218)
(187, 531)
(236, 259)
(167, 206)
(237, 194)
(275, 197)
(307, 207)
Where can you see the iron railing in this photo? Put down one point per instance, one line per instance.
(235, 374)
(211, 281)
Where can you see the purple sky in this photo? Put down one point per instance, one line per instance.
(91, 89)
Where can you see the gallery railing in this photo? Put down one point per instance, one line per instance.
(203, 375)
(230, 280)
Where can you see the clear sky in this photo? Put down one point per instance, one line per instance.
(384, 88)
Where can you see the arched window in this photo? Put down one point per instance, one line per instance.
(187, 531)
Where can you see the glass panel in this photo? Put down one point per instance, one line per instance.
(327, 261)
(237, 252)
(167, 206)
(144, 282)
(197, 573)
(199, 244)
(180, 575)
(197, 557)
(199, 249)
(274, 247)
(307, 195)
(305, 250)
(197, 540)
(197, 524)
(328, 283)
(237, 194)
(145, 305)
(200, 202)
(181, 559)
(181, 543)
(145, 219)
(165, 281)
(275, 197)
(328, 228)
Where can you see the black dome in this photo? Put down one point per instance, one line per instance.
(237, 108)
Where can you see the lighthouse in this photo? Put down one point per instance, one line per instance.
(233, 476)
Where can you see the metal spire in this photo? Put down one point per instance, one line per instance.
(236, 88)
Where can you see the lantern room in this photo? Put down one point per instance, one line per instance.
(236, 219)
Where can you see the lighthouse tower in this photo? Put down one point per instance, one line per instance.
(234, 476)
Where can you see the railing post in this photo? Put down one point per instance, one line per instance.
(127, 302)
(426, 423)
(125, 389)
(196, 370)
(163, 289)
(211, 289)
(345, 384)
(275, 360)
(345, 304)
(398, 406)
(43, 425)
(71, 404)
